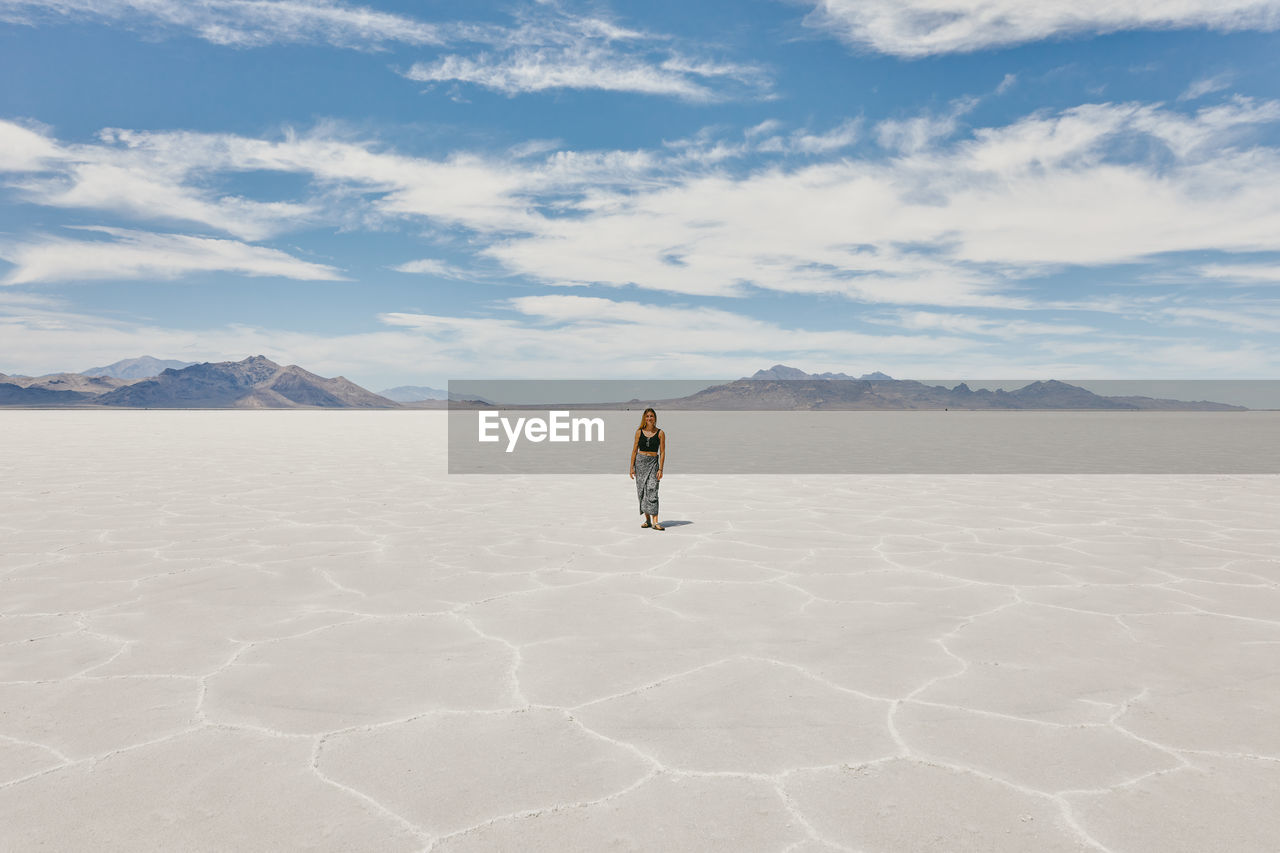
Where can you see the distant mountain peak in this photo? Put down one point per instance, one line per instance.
(782, 371)
(255, 382)
(414, 393)
(142, 367)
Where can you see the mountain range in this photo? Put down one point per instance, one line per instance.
(781, 371)
(817, 393)
(254, 383)
(259, 383)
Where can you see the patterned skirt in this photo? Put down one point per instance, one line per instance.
(647, 483)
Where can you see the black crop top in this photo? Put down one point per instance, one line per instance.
(648, 443)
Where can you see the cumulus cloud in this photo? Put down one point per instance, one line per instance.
(142, 255)
(917, 28)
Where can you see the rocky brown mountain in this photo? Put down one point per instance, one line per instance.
(254, 383)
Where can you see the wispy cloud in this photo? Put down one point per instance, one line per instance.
(551, 49)
(580, 67)
(433, 267)
(971, 324)
(950, 224)
(532, 336)
(148, 256)
(568, 335)
(552, 336)
(1247, 319)
(917, 28)
(565, 336)
(1205, 86)
(918, 132)
(1243, 273)
(243, 23)
(26, 149)
(954, 220)
(544, 48)
(805, 141)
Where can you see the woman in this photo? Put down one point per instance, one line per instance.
(648, 452)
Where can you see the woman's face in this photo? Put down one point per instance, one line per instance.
(649, 420)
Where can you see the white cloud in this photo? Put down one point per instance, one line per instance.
(916, 28)
(1242, 273)
(23, 149)
(948, 222)
(947, 225)
(971, 324)
(545, 47)
(173, 176)
(1209, 128)
(554, 336)
(557, 336)
(142, 255)
(566, 336)
(1205, 86)
(1248, 319)
(550, 50)
(136, 180)
(808, 142)
(433, 266)
(129, 190)
(243, 23)
(539, 70)
(910, 135)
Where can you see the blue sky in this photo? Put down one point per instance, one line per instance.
(408, 192)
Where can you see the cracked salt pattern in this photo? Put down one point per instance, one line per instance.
(265, 631)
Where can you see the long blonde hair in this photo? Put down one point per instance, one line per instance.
(655, 419)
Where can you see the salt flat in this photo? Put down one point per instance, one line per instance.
(293, 630)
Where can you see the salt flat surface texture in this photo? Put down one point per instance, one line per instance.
(293, 630)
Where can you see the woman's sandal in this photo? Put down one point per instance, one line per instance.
(646, 524)
(657, 526)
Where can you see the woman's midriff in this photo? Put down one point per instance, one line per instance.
(647, 452)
